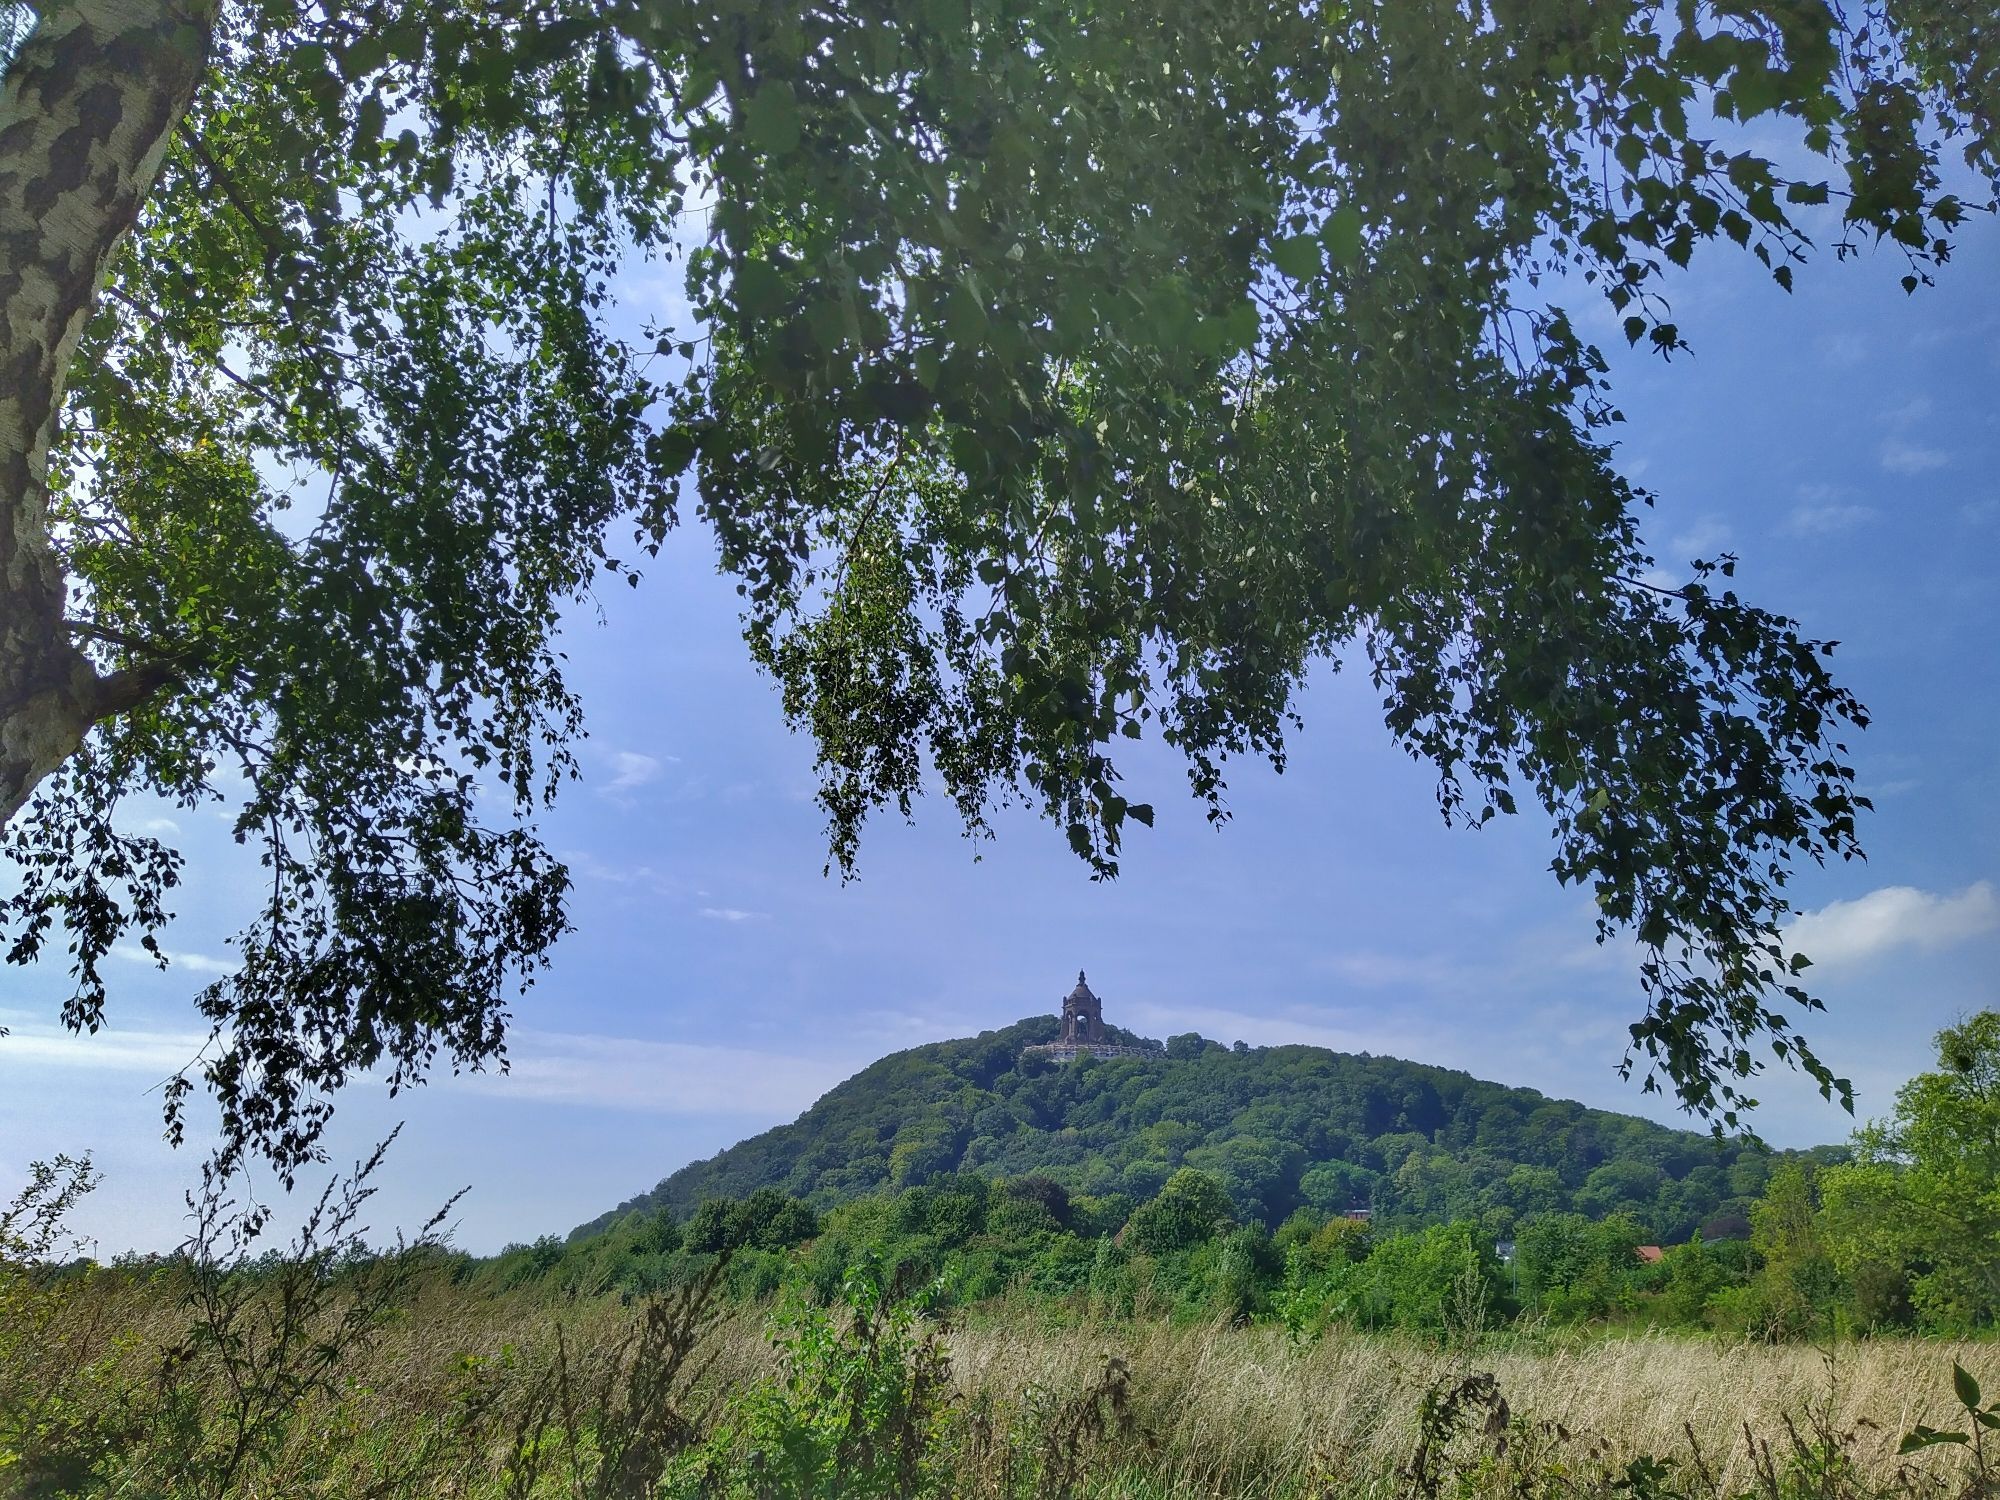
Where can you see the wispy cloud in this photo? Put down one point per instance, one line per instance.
(630, 770)
(674, 1078)
(1910, 458)
(46, 1044)
(587, 866)
(1896, 916)
(156, 827)
(608, 1072)
(1824, 510)
(732, 914)
(1909, 413)
(1705, 537)
(194, 963)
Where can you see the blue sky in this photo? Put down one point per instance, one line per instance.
(1845, 441)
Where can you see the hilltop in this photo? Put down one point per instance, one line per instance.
(1282, 1127)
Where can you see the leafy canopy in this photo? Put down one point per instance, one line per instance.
(1279, 1128)
(1924, 1199)
(1056, 374)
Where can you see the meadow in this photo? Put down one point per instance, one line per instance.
(1007, 1337)
(393, 1378)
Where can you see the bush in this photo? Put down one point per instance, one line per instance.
(1444, 1279)
(1574, 1269)
(1190, 1210)
(858, 1409)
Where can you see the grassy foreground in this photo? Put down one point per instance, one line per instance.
(393, 1380)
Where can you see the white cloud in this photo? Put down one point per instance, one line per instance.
(1909, 413)
(587, 866)
(732, 914)
(1824, 509)
(194, 963)
(583, 862)
(1826, 519)
(1908, 458)
(156, 827)
(744, 1084)
(49, 1045)
(609, 1072)
(1896, 916)
(675, 1078)
(631, 770)
(1704, 538)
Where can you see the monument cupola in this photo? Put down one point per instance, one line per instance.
(1084, 1033)
(1083, 1015)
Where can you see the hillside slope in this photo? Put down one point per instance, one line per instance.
(1281, 1126)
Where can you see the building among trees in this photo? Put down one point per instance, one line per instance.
(1084, 1031)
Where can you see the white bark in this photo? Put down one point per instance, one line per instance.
(86, 109)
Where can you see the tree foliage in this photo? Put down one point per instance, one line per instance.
(1274, 1129)
(1054, 377)
(1915, 1220)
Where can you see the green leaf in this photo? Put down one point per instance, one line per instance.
(672, 450)
(1143, 811)
(1756, 90)
(1075, 322)
(1928, 1437)
(368, 124)
(1240, 326)
(363, 56)
(771, 119)
(759, 290)
(1964, 1386)
(1298, 256)
(1342, 234)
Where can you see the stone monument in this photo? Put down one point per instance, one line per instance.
(1083, 1030)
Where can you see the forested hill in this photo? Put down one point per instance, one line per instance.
(1281, 1126)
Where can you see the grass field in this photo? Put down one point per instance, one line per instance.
(110, 1386)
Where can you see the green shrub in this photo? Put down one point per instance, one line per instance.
(1192, 1208)
(858, 1408)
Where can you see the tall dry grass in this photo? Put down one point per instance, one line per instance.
(442, 1397)
(1239, 1410)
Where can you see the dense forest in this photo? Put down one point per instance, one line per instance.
(1481, 1202)
(1281, 1128)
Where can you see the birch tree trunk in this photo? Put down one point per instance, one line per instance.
(86, 110)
